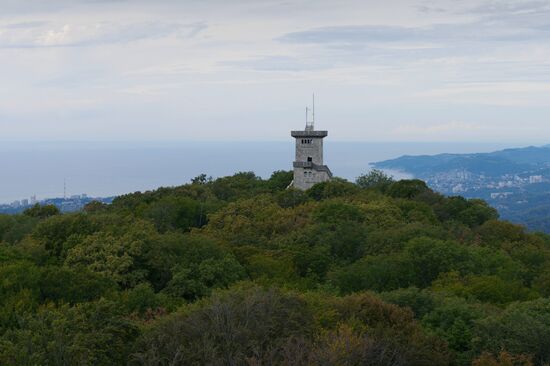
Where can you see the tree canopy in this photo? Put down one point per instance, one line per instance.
(242, 270)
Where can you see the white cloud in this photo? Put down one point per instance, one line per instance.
(439, 130)
(93, 33)
(494, 93)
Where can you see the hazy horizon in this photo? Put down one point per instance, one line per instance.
(113, 168)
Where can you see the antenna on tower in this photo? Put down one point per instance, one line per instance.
(313, 121)
(310, 124)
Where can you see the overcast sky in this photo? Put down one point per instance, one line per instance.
(407, 70)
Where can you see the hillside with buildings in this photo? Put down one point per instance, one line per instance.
(71, 203)
(515, 181)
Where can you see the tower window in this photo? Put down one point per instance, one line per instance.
(309, 158)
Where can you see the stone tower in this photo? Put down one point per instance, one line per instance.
(308, 164)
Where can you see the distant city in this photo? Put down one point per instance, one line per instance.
(514, 181)
(71, 203)
(463, 181)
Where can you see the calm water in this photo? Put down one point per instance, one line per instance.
(105, 169)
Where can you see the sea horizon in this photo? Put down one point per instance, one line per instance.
(111, 168)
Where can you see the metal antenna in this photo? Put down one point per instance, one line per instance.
(310, 124)
(64, 189)
(313, 121)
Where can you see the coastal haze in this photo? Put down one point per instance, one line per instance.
(109, 168)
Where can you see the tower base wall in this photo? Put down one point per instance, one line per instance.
(305, 178)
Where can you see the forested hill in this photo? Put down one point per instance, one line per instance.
(515, 181)
(241, 271)
(494, 164)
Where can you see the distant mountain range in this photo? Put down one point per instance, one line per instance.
(515, 181)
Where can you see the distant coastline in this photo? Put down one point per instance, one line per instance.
(514, 181)
(105, 169)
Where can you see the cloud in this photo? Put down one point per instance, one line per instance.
(352, 34)
(281, 63)
(440, 130)
(26, 25)
(13, 7)
(503, 87)
(490, 93)
(441, 33)
(35, 34)
(507, 7)
(388, 63)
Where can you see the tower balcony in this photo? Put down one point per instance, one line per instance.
(313, 166)
(305, 133)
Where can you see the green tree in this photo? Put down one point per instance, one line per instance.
(407, 188)
(196, 280)
(94, 333)
(171, 213)
(522, 328)
(42, 211)
(230, 328)
(332, 189)
(280, 180)
(374, 179)
(454, 320)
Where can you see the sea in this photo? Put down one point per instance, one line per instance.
(103, 169)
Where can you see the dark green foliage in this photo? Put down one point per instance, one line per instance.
(331, 189)
(472, 213)
(230, 188)
(231, 329)
(522, 328)
(290, 198)
(421, 302)
(172, 213)
(203, 266)
(15, 228)
(374, 179)
(280, 180)
(95, 206)
(334, 213)
(42, 211)
(241, 270)
(201, 179)
(454, 319)
(407, 188)
(142, 298)
(93, 333)
(312, 261)
(227, 330)
(55, 232)
(61, 284)
(24, 286)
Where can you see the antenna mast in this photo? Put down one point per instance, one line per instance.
(310, 124)
(313, 121)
